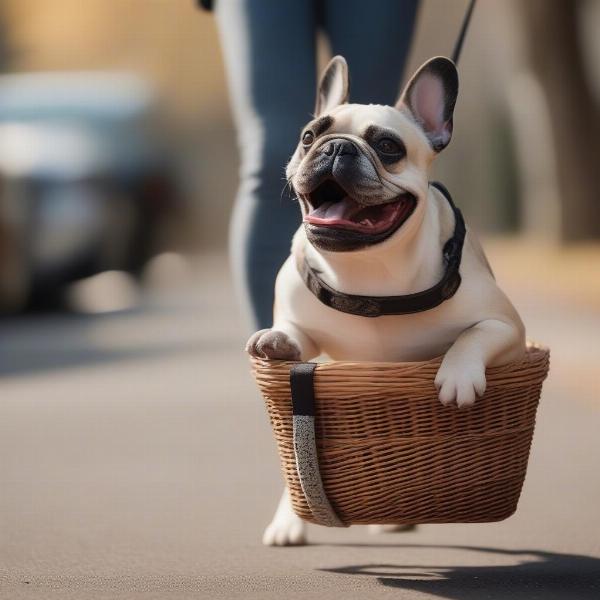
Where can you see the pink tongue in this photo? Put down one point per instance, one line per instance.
(335, 211)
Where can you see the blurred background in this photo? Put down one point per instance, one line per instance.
(121, 358)
(116, 142)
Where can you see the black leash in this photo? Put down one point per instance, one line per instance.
(463, 32)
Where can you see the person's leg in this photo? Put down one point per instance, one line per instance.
(269, 51)
(374, 38)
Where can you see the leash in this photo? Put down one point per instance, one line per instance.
(462, 33)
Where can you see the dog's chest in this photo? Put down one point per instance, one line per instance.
(389, 338)
(343, 336)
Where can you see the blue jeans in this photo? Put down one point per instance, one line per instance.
(269, 47)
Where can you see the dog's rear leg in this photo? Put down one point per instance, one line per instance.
(286, 528)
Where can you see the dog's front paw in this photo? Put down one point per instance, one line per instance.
(270, 343)
(460, 382)
(285, 530)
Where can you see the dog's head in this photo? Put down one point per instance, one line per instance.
(361, 171)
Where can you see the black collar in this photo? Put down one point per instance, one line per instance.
(376, 306)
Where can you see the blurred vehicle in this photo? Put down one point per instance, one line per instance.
(84, 182)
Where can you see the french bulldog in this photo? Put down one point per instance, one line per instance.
(373, 225)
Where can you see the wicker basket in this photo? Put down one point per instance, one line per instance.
(389, 452)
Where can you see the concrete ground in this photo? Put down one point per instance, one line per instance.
(136, 461)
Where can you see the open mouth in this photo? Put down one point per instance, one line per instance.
(330, 206)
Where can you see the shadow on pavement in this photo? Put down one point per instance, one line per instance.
(51, 341)
(535, 575)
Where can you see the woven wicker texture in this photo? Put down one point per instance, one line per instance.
(389, 452)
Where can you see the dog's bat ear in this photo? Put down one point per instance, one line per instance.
(333, 86)
(430, 97)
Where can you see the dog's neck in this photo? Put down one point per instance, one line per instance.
(408, 264)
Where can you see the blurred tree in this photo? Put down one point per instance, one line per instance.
(553, 44)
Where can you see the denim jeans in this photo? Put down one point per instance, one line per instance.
(269, 47)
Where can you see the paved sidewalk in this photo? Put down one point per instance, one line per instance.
(136, 461)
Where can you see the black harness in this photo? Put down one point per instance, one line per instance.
(377, 306)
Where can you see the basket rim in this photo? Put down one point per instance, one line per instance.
(534, 353)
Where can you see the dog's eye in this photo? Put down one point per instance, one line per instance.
(308, 138)
(389, 146)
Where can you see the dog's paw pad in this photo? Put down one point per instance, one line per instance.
(270, 343)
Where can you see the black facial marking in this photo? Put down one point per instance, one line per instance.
(338, 240)
(321, 125)
(374, 134)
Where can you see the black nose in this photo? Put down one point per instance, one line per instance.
(339, 148)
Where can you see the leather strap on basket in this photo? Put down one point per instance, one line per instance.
(305, 445)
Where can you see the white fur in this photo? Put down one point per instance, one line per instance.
(286, 528)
